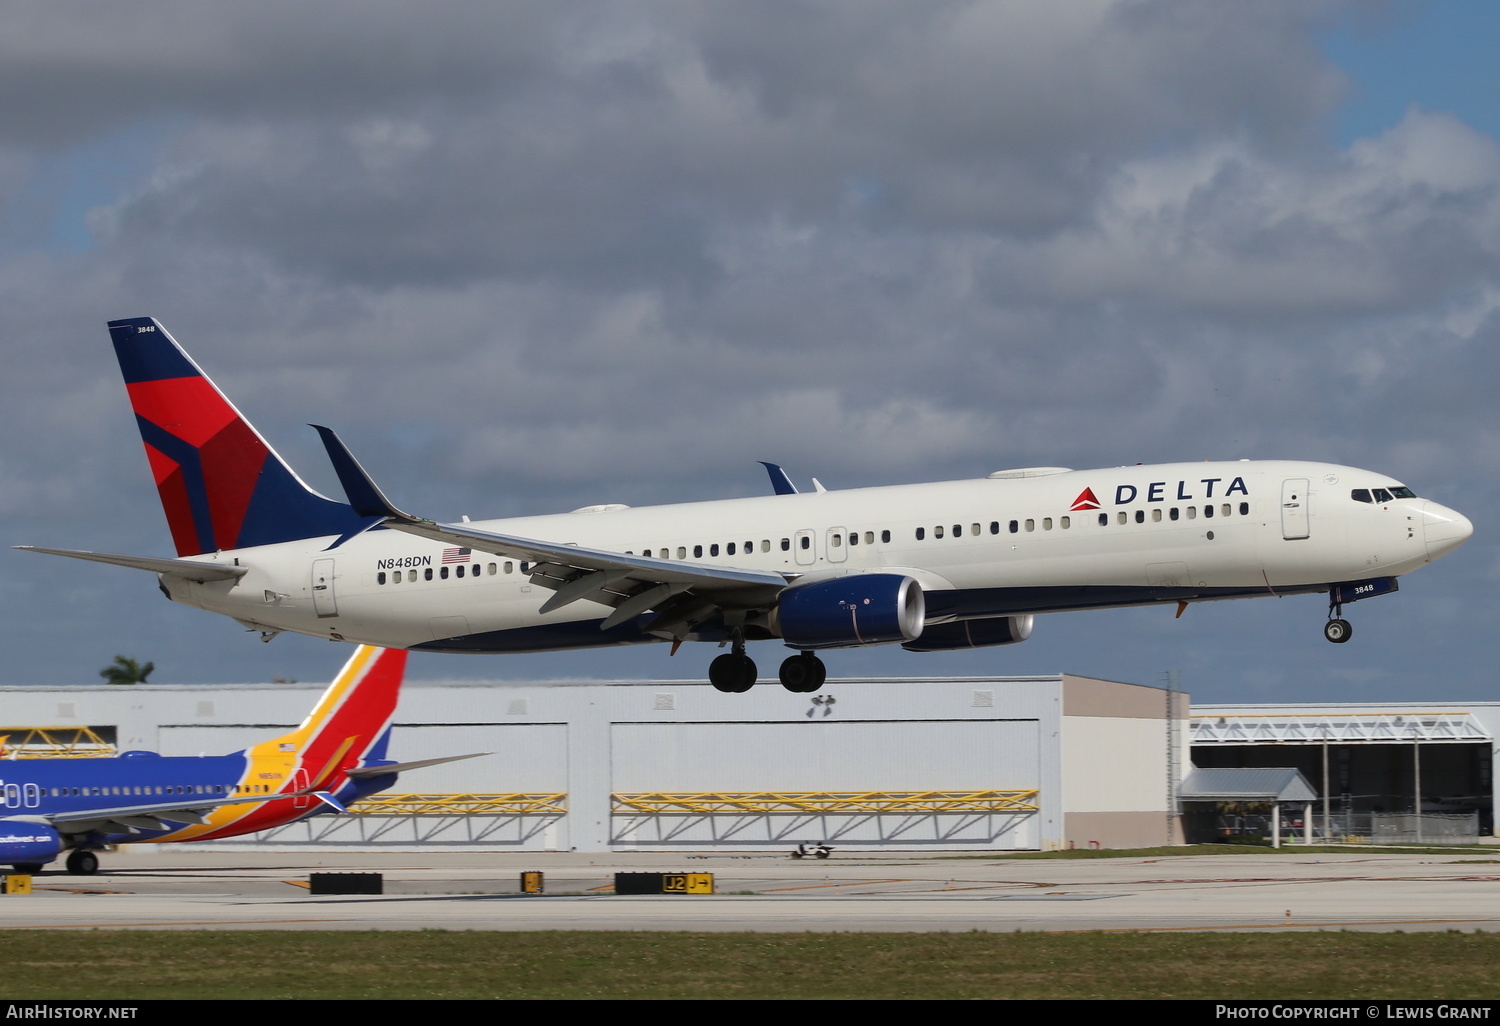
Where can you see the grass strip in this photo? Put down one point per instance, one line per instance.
(436, 964)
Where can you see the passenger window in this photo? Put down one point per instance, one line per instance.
(836, 540)
(509, 566)
(427, 574)
(1360, 495)
(921, 533)
(729, 549)
(1208, 511)
(459, 570)
(973, 528)
(1244, 509)
(1192, 512)
(885, 536)
(411, 576)
(1172, 513)
(1140, 516)
(765, 544)
(1031, 525)
(697, 551)
(1226, 509)
(646, 553)
(958, 530)
(1015, 525)
(1046, 523)
(994, 527)
(443, 573)
(380, 577)
(681, 552)
(713, 550)
(1156, 516)
(1065, 522)
(1103, 519)
(853, 537)
(1122, 517)
(869, 537)
(937, 532)
(806, 542)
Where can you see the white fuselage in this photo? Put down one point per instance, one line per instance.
(979, 548)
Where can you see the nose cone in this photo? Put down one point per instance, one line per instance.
(1445, 529)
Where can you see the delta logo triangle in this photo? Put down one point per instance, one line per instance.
(1086, 500)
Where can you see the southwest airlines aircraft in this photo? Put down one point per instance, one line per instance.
(931, 567)
(335, 757)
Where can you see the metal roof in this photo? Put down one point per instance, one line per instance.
(1357, 728)
(1246, 785)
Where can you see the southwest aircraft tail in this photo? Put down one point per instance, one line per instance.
(339, 750)
(221, 485)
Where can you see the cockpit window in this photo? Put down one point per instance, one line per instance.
(1360, 495)
(1381, 495)
(1403, 492)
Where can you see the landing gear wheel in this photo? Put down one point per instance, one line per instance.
(1338, 631)
(732, 673)
(803, 674)
(83, 863)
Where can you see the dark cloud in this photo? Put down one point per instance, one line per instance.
(530, 256)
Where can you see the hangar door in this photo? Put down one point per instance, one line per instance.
(959, 783)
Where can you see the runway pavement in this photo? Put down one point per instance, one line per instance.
(188, 888)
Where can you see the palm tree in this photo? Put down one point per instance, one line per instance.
(126, 671)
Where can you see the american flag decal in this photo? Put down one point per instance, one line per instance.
(456, 555)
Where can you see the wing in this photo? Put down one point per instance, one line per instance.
(683, 594)
(130, 819)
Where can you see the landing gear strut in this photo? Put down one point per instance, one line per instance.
(82, 863)
(803, 674)
(1337, 629)
(733, 672)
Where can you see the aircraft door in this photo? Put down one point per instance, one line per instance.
(300, 783)
(1294, 508)
(802, 548)
(33, 796)
(12, 796)
(324, 602)
(835, 545)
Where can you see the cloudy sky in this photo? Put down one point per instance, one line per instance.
(532, 256)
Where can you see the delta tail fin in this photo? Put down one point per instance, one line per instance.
(221, 485)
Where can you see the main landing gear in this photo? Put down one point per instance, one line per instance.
(1337, 629)
(82, 863)
(803, 674)
(734, 672)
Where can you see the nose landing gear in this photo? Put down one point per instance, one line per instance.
(1337, 629)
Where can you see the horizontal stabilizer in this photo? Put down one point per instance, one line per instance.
(402, 767)
(189, 568)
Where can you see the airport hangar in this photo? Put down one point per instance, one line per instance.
(988, 764)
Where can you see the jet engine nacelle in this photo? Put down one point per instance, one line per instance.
(997, 630)
(853, 610)
(23, 842)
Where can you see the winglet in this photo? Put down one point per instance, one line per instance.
(363, 493)
(779, 479)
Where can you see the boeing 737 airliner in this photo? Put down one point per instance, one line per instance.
(950, 565)
(335, 757)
